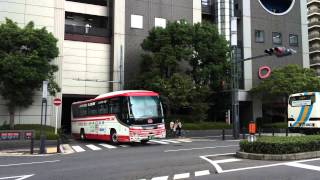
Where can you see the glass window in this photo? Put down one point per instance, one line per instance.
(293, 40)
(92, 109)
(205, 2)
(83, 110)
(103, 107)
(160, 22)
(259, 36)
(145, 106)
(136, 21)
(114, 105)
(276, 38)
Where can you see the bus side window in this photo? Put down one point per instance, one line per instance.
(103, 107)
(75, 111)
(92, 109)
(83, 110)
(114, 106)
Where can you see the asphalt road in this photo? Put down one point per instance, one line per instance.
(194, 158)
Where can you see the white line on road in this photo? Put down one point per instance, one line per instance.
(123, 145)
(18, 177)
(108, 146)
(93, 147)
(304, 166)
(78, 148)
(19, 164)
(202, 173)
(183, 140)
(181, 176)
(160, 142)
(227, 160)
(213, 147)
(160, 178)
(170, 141)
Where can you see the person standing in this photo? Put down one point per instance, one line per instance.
(172, 130)
(178, 126)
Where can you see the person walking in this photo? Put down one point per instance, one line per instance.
(178, 127)
(172, 130)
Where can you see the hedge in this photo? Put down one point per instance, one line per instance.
(282, 145)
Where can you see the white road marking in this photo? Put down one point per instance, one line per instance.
(201, 173)
(78, 148)
(171, 141)
(93, 147)
(213, 147)
(183, 140)
(234, 140)
(19, 164)
(108, 146)
(160, 178)
(227, 160)
(160, 142)
(18, 177)
(304, 166)
(181, 176)
(122, 145)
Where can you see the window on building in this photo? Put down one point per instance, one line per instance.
(94, 2)
(205, 2)
(293, 40)
(160, 22)
(136, 21)
(259, 36)
(276, 38)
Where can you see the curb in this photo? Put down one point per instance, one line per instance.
(278, 157)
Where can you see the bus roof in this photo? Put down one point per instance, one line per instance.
(120, 93)
(303, 93)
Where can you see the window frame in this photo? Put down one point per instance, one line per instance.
(273, 35)
(136, 25)
(263, 36)
(294, 44)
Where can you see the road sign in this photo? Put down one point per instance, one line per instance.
(57, 101)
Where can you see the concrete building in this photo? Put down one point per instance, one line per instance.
(99, 41)
(314, 33)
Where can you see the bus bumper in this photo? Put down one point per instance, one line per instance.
(145, 136)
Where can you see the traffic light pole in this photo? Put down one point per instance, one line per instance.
(235, 90)
(278, 51)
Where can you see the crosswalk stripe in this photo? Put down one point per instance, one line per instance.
(160, 142)
(124, 145)
(181, 176)
(171, 141)
(201, 173)
(183, 140)
(160, 178)
(78, 148)
(108, 146)
(93, 147)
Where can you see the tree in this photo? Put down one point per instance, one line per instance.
(25, 56)
(285, 81)
(185, 63)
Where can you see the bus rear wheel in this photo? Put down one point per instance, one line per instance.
(114, 138)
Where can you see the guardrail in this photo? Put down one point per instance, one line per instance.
(18, 135)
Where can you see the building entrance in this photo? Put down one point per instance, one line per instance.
(66, 110)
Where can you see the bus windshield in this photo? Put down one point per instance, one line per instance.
(306, 100)
(145, 107)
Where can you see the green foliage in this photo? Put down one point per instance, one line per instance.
(288, 80)
(282, 145)
(279, 125)
(25, 62)
(185, 63)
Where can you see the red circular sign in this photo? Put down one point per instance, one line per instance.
(56, 101)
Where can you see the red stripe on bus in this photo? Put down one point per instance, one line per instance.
(103, 137)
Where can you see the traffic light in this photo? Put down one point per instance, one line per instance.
(280, 51)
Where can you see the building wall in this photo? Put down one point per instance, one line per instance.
(168, 9)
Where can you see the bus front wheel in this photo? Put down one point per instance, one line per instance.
(114, 138)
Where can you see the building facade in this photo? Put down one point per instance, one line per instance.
(314, 33)
(99, 42)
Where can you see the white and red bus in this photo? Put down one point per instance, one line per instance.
(121, 116)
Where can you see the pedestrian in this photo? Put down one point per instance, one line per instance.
(178, 127)
(172, 131)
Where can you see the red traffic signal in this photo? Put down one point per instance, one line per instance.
(280, 51)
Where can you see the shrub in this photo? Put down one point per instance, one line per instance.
(282, 145)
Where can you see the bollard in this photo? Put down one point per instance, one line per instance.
(243, 133)
(272, 131)
(31, 145)
(223, 135)
(58, 145)
(287, 131)
(260, 132)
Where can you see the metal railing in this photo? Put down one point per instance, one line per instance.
(314, 23)
(82, 30)
(313, 11)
